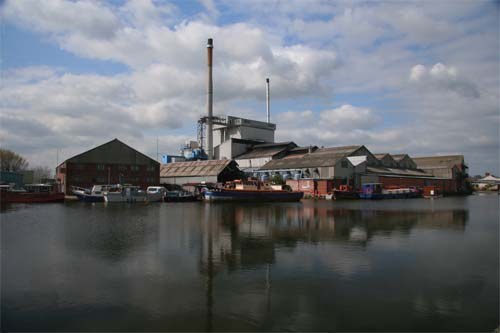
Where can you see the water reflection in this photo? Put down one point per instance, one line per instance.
(299, 266)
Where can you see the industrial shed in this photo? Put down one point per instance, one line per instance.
(323, 163)
(447, 167)
(405, 161)
(386, 160)
(212, 171)
(110, 163)
(260, 154)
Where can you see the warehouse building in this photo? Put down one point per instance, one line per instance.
(386, 160)
(451, 167)
(212, 171)
(405, 161)
(260, 154)
(110, 163)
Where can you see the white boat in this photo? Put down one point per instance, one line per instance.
(155, 193)
(126, 194)
(96, 194)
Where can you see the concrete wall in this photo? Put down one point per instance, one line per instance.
(253, 162)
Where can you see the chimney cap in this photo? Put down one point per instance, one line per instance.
(267, 79)
(210, 42)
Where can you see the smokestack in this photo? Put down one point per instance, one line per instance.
(210, 92)
(267, 102)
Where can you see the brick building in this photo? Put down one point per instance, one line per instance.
(111, 163)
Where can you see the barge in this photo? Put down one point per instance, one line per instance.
(253, 191)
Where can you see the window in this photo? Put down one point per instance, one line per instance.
(343, 164)
(122, 168)
(134, 167)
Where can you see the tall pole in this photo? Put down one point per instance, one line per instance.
(268, 102)
(157, 149)
(210, 142)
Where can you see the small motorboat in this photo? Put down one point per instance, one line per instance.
(155, 193)
(95, 194)
(180, 196)
(126, 193)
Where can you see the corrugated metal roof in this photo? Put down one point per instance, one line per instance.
(449, 161)
(265, 150)
(399, 172)
(194, 168)
(322, 157)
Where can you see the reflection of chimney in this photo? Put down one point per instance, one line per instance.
(210, 92)
(267, 102)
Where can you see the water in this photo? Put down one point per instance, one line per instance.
(396, 265)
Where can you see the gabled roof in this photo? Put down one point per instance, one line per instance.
(399, 157)
(322, 157)
(266, 150)
(398, 172)
(195, 168)
(435, 162)
(111, 152)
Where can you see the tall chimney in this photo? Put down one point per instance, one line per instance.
(210, 142)
(267, 102)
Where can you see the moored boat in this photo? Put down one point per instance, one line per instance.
(32, 193)
(155, 193)
(343, 192)
(95, 194)
(251, 190)
(125, 193)
(377, 191)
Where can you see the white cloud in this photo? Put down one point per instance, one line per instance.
(363, 52)
(443, 77)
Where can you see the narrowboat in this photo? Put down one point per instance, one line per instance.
(377, 191)
(251, 190)
(342, 193)
(32, 193)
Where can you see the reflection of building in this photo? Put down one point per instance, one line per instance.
(110, 163)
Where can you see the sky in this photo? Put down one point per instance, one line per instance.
(420, 77)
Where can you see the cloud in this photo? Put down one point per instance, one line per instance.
(426, 73)
(444, 78)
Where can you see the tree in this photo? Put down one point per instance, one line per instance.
(40, 173)
(11, 161)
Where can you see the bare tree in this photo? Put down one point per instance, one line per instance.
(11, 161)
(40, 173)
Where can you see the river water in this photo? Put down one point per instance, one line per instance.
(395, 265)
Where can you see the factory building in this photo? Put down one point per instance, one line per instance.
(211, 171)
(110, 163)
(341, 163)
(258, 155)
(233, 136)
(450, 167)
(404, 161)
(386, 160)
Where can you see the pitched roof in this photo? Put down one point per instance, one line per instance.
(436, 162)
(321, 157)
(397, 172)
(266, 149)
(194, 168)
(112, 152)
(399, 157)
